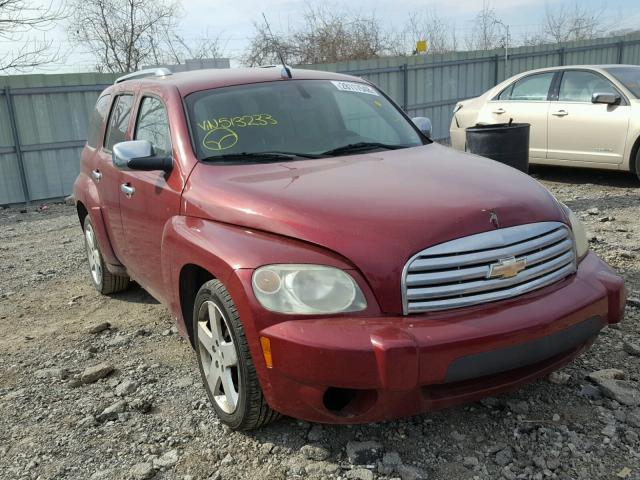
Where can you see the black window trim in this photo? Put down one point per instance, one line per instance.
(138, 106)
(113, 103)
(624, 100)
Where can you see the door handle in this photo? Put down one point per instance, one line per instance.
(499, 111)
(560, 113)
(127, 189)
(97, 175)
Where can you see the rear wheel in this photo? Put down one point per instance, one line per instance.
(638, 164)
(226, 366)
(104, 281)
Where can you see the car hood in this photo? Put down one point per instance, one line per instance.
(377, 209)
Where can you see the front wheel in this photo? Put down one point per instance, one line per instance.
(226, 366)
(104, 281)
(638, 164)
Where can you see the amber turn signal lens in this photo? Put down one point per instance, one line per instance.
(266, 351)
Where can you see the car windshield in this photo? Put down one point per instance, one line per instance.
(629, 77)
(295, 118)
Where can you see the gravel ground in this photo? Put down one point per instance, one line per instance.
(103, 388)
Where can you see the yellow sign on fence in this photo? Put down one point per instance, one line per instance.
(421, 46)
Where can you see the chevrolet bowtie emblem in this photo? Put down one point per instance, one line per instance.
(506, 268)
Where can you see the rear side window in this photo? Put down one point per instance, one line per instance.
(118, 121)
(97, 119)
(531, 88)
(579, 86)
(153, 125)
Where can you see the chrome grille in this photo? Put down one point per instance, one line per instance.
(458, 273)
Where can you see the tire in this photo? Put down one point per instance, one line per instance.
(638, 164)
(103, 280)
(218, 336)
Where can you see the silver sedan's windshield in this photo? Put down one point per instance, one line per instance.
(306, 117)
(629, 77)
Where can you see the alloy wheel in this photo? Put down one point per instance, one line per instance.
(93, 254)
(218, 356)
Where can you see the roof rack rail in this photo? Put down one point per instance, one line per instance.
(150, 72)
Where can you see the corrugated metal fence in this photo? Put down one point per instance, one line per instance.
(43, 118)
(430, 85)
(43, 126)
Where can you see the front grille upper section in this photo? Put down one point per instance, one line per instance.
(456, 273)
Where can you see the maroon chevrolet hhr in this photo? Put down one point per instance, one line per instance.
(323, 256)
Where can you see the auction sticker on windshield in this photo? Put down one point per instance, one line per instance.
(355, 87)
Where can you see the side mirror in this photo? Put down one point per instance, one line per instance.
(607, 98)
(139, 155)
(423, 124)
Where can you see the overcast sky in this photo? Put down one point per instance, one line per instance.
(232, 21)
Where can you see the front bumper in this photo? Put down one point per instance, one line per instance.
(354, 369)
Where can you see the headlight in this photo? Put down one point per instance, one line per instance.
(306, 289)
(579, 234)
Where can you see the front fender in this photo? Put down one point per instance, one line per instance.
(224, 249)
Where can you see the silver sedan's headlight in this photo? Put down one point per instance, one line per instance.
(306, 289)
(579, 233)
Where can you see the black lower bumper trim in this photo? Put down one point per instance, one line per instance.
(517, 356)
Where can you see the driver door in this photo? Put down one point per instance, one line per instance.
(583, 131)
(148, 200)
(525, 101)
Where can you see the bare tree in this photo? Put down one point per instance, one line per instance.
(485, 34)
(170, 47)
(19, 19)
(123, 34)
(575, 22)
(324, 36)
(429, 26)
(567, 23)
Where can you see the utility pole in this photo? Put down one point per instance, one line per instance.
(506, 46)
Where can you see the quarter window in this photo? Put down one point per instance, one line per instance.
(153, 125)
(118, 121)
(531, 88)
(579, 86)
(97, 119)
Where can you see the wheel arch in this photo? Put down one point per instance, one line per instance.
(634, 155)
(82, 213)
(190, 279)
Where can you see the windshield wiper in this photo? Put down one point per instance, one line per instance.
(260, 156)
(361, 147)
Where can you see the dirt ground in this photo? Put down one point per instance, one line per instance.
(150, 418)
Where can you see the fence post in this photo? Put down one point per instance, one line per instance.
(496, 65)
(620, 51)
(561, 55)
(16, 143)
(405, 86)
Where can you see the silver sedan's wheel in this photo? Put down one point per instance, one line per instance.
(219, 357)
(104, 281)
(226, 365)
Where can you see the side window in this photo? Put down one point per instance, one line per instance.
(506, 93)
(531, 88)
(118, 121)
(153, 125)
(96, 120)
(578, 86)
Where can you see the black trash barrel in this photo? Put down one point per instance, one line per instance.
(506, 143)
